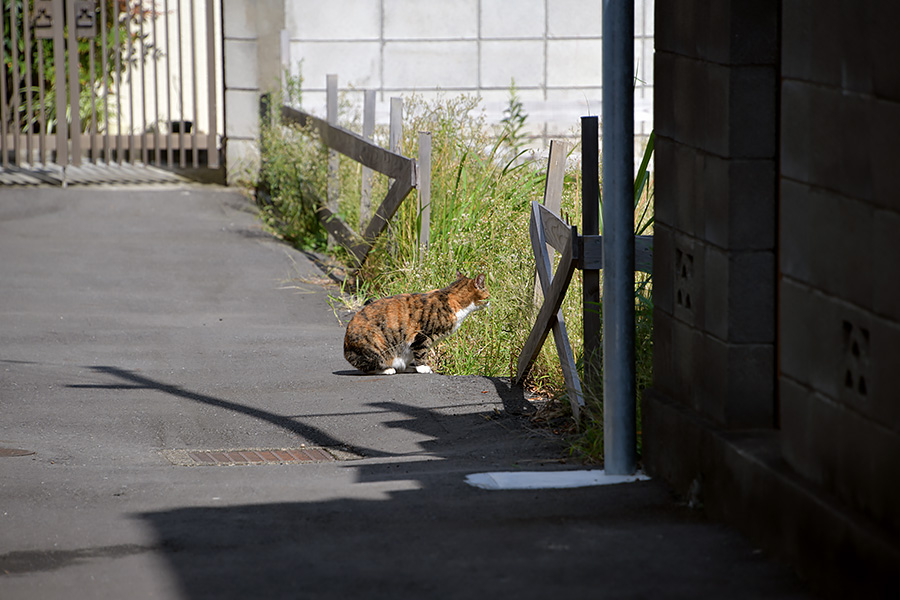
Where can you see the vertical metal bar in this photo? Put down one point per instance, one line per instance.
(141, 56)
(195, 119)
(4, 106)
(93, 77)
(365, 186)
(117, 25)
(331, 111)
(104, 65)
(14, 52)
(590, 225)
(59, 62)
(74, 87)
(156, 140)
(132, 149)
(182, 135)
(424, 185)
(169, 136)
(212, 144)
(42, 108)
(29, 75)
(619, 433)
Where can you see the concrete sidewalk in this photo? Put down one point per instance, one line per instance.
(137, 324)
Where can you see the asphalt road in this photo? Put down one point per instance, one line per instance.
(137, 324)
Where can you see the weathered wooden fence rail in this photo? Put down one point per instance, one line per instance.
(583, 252)
(404, 172)
(355, 147)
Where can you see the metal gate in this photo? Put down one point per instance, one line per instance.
(110, 83)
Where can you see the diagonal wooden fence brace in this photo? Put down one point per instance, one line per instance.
(356, 147)
(546, 228)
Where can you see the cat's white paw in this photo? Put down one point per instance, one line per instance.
(423, 369)
(389, 371)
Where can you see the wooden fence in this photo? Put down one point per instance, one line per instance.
(403, 171)
(584, 252)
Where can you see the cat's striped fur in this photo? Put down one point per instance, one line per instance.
(394, 334)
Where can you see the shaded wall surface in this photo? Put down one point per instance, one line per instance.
(840, 251)
(777, 292)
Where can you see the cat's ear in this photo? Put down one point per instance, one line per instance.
(459, 275)
(479, 281)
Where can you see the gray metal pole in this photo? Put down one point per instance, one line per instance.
(619, 437)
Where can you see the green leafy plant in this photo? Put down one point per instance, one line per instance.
(514, 121)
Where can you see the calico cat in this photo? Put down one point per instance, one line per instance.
(394, 334)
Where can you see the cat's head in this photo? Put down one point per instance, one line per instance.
(475, 289)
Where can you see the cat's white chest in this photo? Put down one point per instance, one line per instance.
(462, 313)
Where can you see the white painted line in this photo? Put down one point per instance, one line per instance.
(537, 480)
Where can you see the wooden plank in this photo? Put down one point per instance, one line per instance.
(556, 231)
(553, 186)
(591, 253)
(359, 247)
(395, 131)
(538, 237)
(350, 144)
(558, 324)
(334, 161)
(366, 178)
(424, 180)
(553, 299)
(339, 230)
(556, 171)
(400, 189)
(643, 253)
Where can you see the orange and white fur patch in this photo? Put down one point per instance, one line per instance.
(394, 334)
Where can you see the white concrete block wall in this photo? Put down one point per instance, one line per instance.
(552, 48)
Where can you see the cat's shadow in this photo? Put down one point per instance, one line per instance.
(356, 373)
(351, 373)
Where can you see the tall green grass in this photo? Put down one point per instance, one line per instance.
(480, 208)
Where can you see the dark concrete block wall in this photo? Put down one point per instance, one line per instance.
(715, 267)
(776, 394)
(840, 251)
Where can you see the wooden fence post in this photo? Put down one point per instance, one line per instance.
(424, 186)
(334, 162)
(396, 125)
(556, 171)
(365, 185)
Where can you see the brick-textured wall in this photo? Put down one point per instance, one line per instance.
(552, 48)
(840, 250)
(714, 256)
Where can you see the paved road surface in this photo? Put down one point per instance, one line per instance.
(135, 322)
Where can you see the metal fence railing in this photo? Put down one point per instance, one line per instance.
(108, 82)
